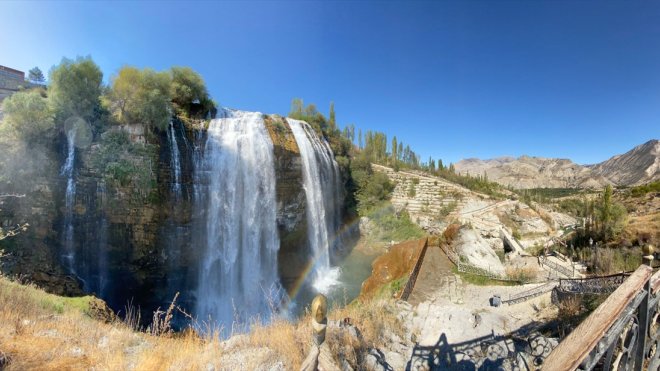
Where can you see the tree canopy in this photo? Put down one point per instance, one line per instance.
(188, 91)
(27, 115)
(36, 76)
(75, 88)
(139, 96)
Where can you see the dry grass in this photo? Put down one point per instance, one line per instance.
(39, 331)
(521, 274)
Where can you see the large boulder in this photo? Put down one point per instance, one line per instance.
(476, 251)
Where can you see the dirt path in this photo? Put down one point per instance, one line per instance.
(434, 273)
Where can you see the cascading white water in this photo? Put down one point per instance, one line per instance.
(321, 182)
(103, 264)
(238, 277)
(67, 170)
(175, 160)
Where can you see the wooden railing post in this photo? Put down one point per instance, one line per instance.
(643, 314)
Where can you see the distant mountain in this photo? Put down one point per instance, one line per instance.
(533, 172)
(637, 166)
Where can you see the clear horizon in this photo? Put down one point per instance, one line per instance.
(454, 80)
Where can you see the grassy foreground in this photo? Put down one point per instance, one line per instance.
(40, 331)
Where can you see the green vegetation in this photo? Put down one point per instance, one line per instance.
(371, 188)
(125, 163)
(28, 116)
(447, 209)
(580, 207)
(412, 192)
(390, 225)
(642, 190)
(546, 195)
(35, 76)
(74, 90)
(610, 216)
(188, 93)
(391, 288)
(76, 99)
(43, 301)
(139, 97)
(479, 280)
(148, 97)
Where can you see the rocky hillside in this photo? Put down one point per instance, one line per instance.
(533, 172)
(637, 166)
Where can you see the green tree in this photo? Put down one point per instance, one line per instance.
(27, 115)
(331, 116)
(75, 88)
(611, 216)
(395, 156)
(360, 144)
(188, 92)
(140, 97)
(296, 108)
(36, 76)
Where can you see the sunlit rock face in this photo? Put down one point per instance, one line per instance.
(126, 248)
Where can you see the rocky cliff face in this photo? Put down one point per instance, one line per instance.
(638, 166)
(129, 246)
(291, 207)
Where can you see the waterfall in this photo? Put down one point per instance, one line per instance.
(103, 265)
(321, 182)
(238, 277)
(175, 160)
(67, 170)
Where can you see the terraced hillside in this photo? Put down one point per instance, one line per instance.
(428, 200)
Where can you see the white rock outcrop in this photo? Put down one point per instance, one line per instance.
(478, 252)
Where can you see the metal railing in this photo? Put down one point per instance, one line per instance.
(530, 294)
(621, 334)
(544, 261)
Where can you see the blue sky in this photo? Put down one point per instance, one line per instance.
(454, 79)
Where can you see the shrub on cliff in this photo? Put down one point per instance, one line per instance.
(139, 97)
(27, 116)
(188, 93)
(144, 96)
(126, 164)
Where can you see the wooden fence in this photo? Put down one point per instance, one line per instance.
(621, 334)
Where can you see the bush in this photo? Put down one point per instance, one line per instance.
(391, 226)
(28, 115)
(646, 188)
(411, 190)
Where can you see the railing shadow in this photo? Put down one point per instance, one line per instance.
(523, 349)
